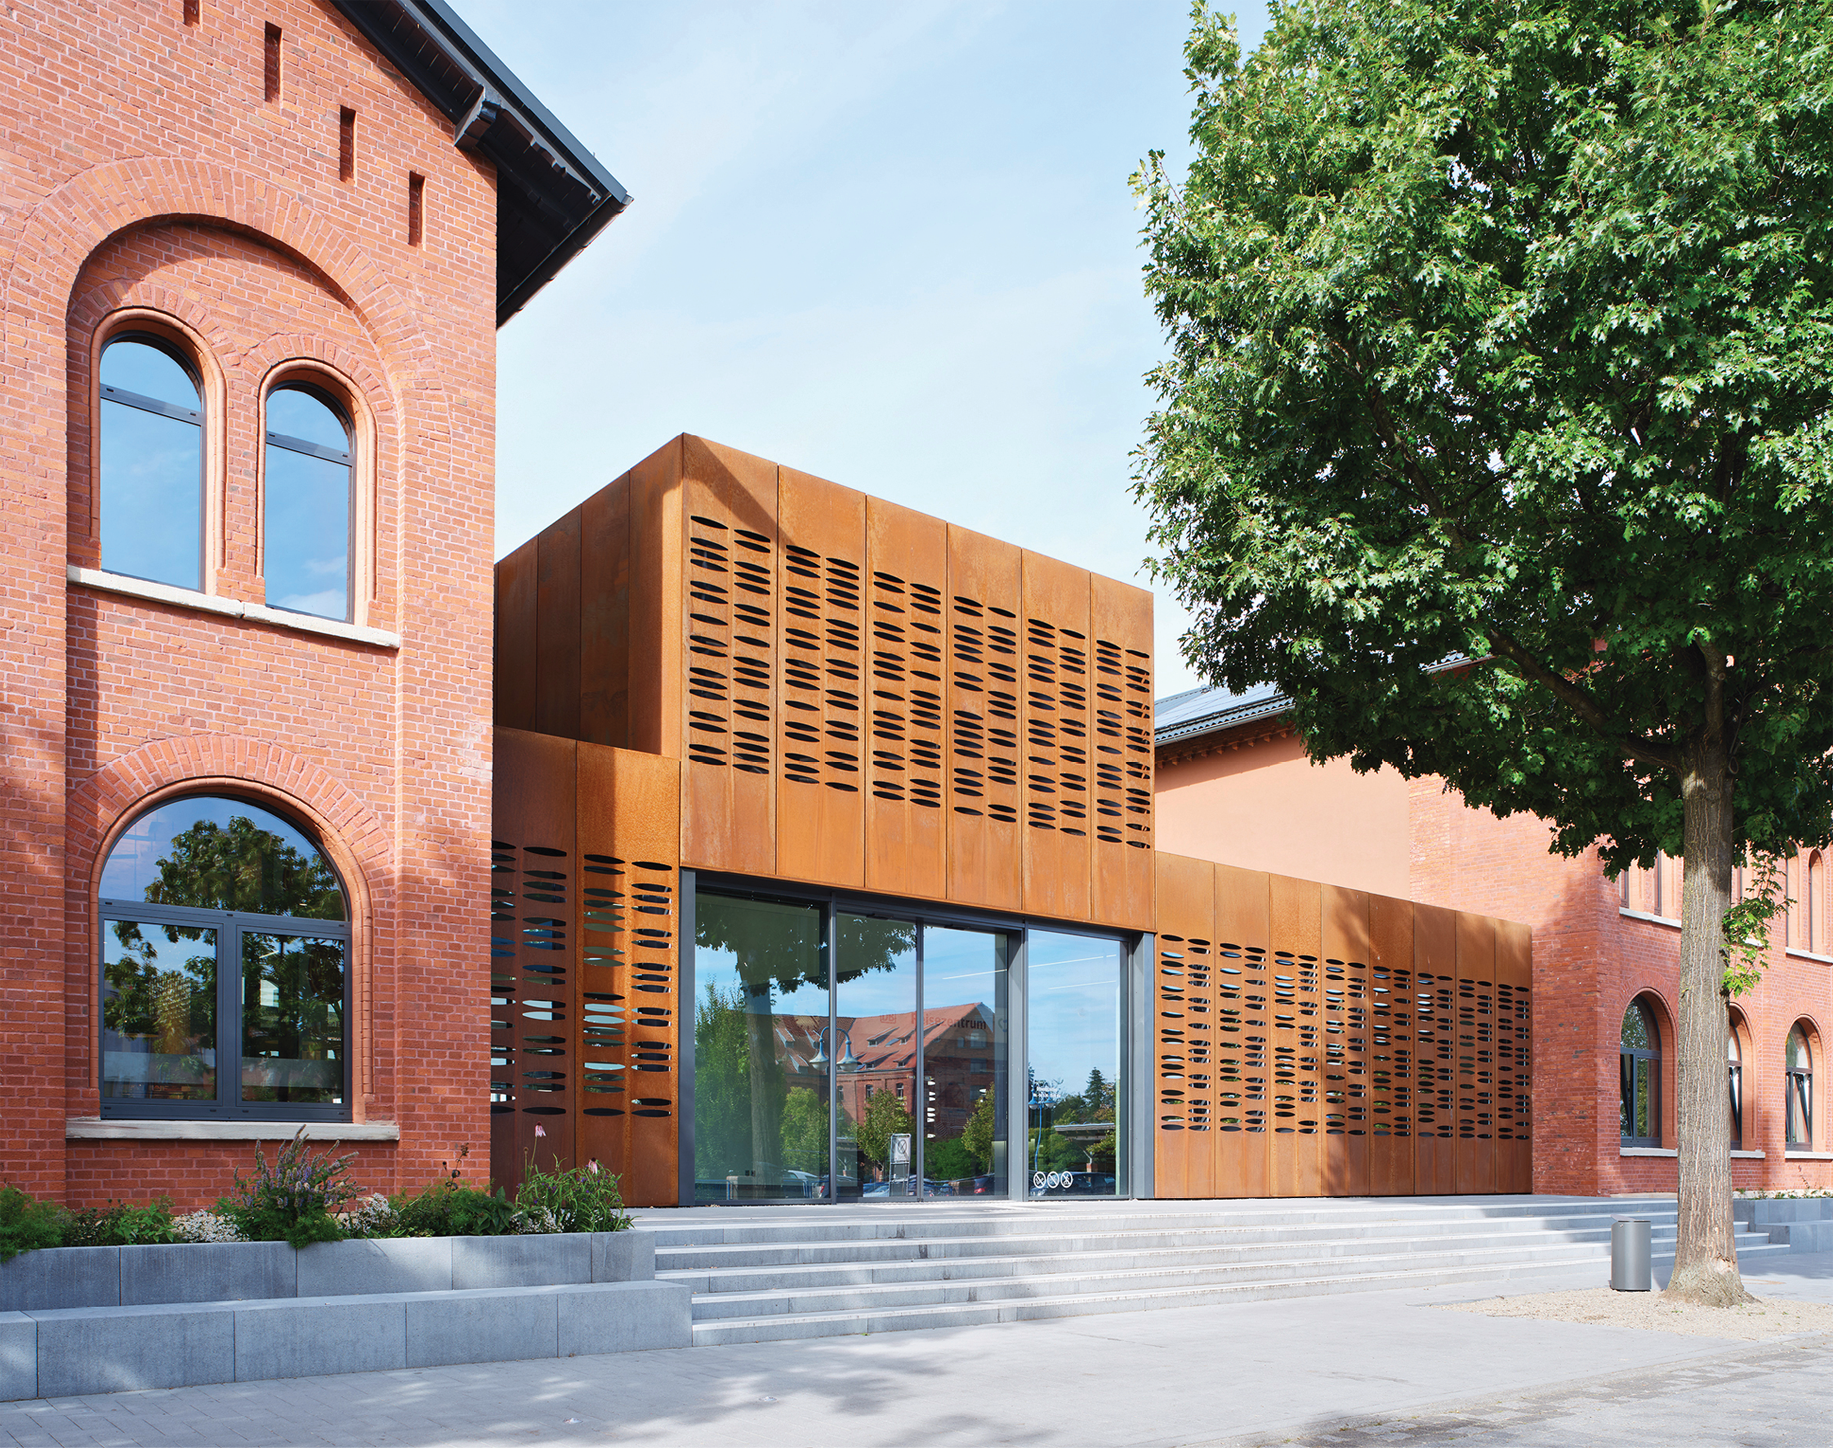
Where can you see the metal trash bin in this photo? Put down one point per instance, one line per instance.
(1629, 1270)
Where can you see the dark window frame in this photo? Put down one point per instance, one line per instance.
(1798, 1095)
(1639, 1063)
(1734, 1073)
(230, 926)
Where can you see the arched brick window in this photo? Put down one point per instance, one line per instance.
(151, 471)
(1814, 905)
(1639, 1076)
(307, 501)
(1734, 1079)
(224, 967)
(1798, 1068)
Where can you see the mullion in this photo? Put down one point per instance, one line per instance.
(918, 1162)
(310, 449)
(151, 404)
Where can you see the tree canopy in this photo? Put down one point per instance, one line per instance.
(1502, 332)
(1494, 428)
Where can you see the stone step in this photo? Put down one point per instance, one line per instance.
(1105, 1279)
(790, 1253)
(817, 1223)
(965, 1314)
(915, 1265)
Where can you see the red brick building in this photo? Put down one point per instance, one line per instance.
(254, 259)
(1233, 784)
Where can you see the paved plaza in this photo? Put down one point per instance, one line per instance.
(1355, 1369)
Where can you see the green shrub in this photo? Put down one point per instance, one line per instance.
(296, 1199)
(580, 1199)
(26, 1223)
(447, 1209)
(121, 1225)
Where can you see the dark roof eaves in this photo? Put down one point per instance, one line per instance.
(1223, 719)
(495, 114)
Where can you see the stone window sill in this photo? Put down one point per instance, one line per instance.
(1736, 1155)
(96, 1128)
(229, 607)
(1807, 1156)
(1810, 955)
(1627, 913)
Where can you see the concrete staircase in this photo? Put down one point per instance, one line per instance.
(809, 1271)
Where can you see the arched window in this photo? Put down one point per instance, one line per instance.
(224, 979)
(151, 467)
(1800, 1111)
(1813, 905)
(1639, 1076)
(1734, 1073)
(306, 509)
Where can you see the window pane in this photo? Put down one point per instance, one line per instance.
(292, 1019)
(1637, 1031)
(292, 412)
(964, 1062)
(158, 1012)
(1645, 1117)
(760, 1051)
(149, 371)
(1072, 1024)
(151, 493)
(222, 854)
(875, 1007)
(307, 532)
(1626, 1075)
(1797, 1050)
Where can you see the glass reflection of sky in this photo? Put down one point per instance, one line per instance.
(133, 864)
(1072, 1008)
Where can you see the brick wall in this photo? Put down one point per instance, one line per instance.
(147, 174)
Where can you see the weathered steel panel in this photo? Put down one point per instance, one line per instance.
(534, 949)
(604, 616)
(1514, 1058)
(1296, 1166)
(1357, 1015)
(729, 555)
(906, 759)
(1435, 1042)
(984, 593)
(1392, 1067)
(557, 609)
(1244, 934)
(1055, 664)
(516, 677)
(1475, 1081)
(1120, 763)
(822, 685)
(1184, 1029)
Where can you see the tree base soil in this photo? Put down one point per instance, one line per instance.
(1659, 1312)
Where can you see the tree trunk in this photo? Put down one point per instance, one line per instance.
(1705, 1258)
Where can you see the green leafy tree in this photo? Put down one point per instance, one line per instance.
(1495, 430)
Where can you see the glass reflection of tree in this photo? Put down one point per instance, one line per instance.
(174, 1010)
(240, 866)
(735, 1045)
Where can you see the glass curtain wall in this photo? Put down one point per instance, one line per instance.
(891, 1077)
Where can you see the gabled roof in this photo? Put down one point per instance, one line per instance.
(553, 196)
(1208, 711)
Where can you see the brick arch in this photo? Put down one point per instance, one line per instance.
(100, 805)
(43, 254)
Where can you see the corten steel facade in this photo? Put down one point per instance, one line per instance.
(1598, 945)
(272, 193)
(718, 668)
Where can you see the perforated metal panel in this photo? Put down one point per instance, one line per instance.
(1300, 1050)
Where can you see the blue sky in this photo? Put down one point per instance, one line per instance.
(890, 245)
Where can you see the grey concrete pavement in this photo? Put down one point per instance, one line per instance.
(1354, 1369)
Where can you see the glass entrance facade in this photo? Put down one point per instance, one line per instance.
(845, 1055)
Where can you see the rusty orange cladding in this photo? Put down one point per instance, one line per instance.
(729, 589)
(822, 681)
(906, 835)
(1054, 673)
(985, 591)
